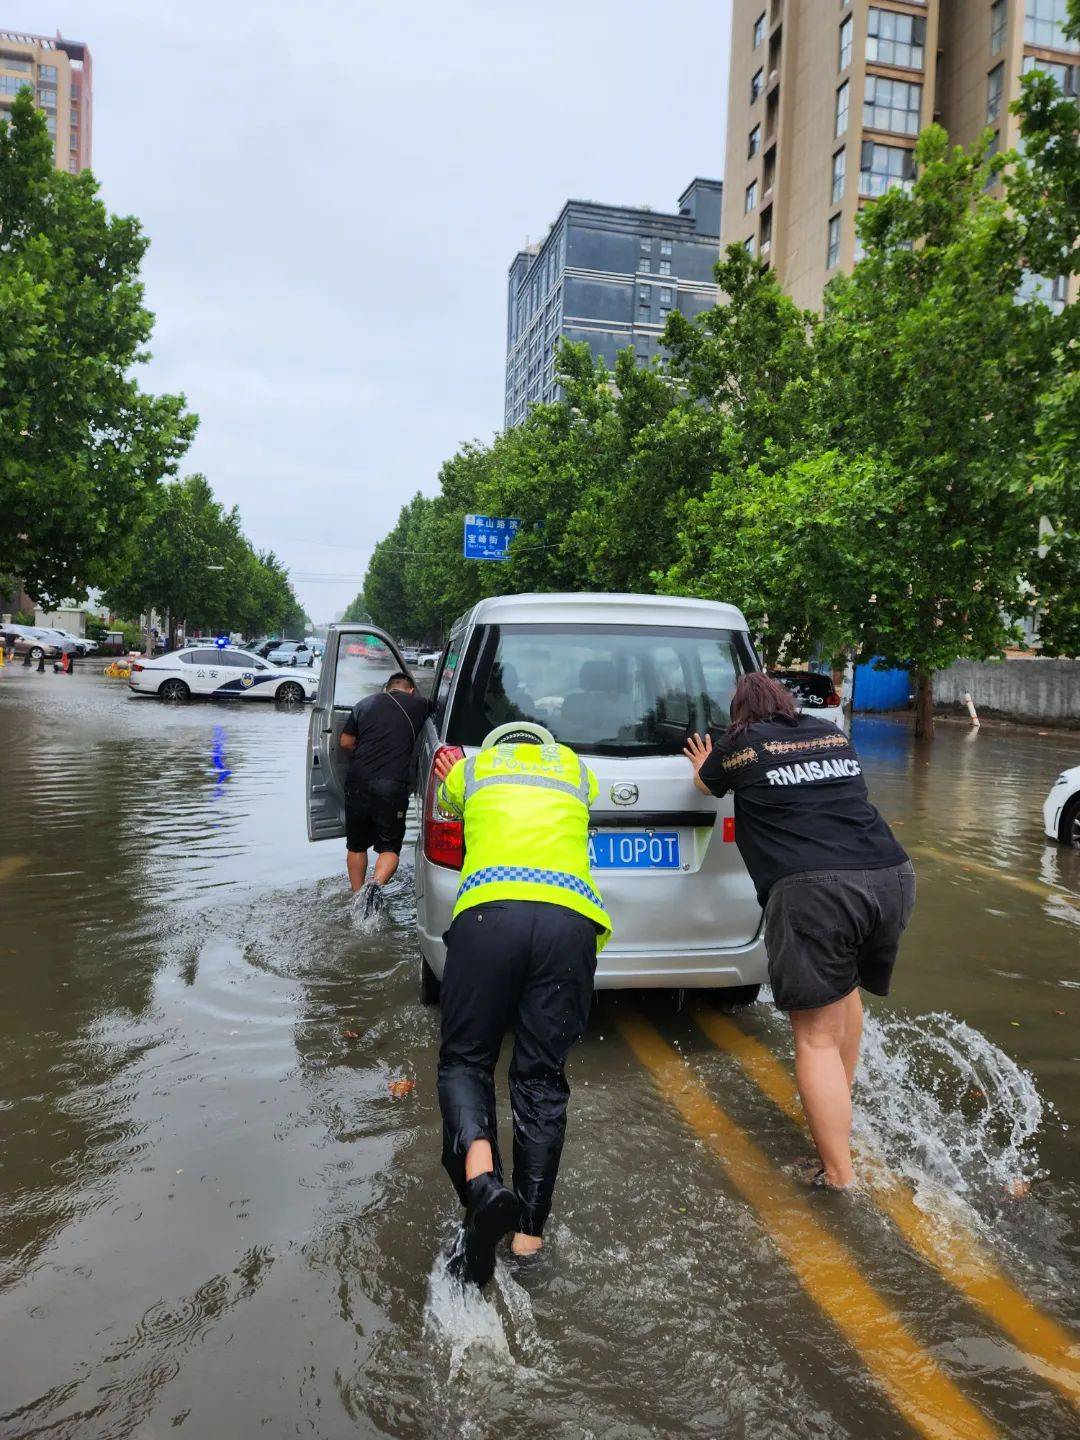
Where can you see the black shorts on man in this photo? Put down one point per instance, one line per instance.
(375, 812)
(829, 931)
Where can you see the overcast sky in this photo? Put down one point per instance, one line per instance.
(334, 192)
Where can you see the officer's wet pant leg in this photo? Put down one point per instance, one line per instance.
(552, 1012)
(487, 949)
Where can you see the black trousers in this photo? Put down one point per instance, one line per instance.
(527, 966)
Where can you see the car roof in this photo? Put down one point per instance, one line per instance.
(606, 609)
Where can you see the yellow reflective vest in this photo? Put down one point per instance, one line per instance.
(526, 813)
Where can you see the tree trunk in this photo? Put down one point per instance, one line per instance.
(924, 705)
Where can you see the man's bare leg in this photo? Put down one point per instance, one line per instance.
(479, 1159)
(386, 864)
(824, 1088)
(525, 1244)
(356, 864)
(849, 1045)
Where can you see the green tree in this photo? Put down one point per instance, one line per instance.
(356, 610)
(82, 448)
(927, 367)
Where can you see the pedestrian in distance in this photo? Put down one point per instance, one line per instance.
(836, 886)
(521, 955)
(379, 738)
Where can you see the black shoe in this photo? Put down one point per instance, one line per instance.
(491, 1212)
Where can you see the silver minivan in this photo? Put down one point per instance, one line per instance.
(622, 680)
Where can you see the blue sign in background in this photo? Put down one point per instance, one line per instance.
(487, 537)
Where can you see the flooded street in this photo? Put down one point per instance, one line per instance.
(217, 1219)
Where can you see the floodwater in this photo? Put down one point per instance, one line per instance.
(217, 1219)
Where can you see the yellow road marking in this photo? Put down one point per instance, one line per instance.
(11, 865)
(913, 1382)
(959, 1258)
(979, 867)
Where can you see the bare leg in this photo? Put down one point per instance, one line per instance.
(479, 1159)
(849, 1045)
(356, 864)
(385, 865)
(823, 1086)
(525, 1244)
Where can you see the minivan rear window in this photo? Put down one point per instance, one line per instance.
(601, 689)
(810, 688)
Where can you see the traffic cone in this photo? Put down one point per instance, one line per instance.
(27, 662)
(41, 664)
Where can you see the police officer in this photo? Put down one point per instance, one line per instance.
(521, 954)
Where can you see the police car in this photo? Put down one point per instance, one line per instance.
(220, 671)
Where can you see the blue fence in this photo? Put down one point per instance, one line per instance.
(880, 689)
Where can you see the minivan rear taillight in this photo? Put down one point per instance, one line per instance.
(444, 836)
(834, 698)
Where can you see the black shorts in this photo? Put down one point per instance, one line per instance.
(375, 815)
(829, 931)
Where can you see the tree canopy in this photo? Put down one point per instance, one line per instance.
(82, 447)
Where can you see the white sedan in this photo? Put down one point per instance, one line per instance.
(1061, 812)
(222, 672)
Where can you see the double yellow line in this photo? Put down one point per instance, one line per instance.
(912, 1380)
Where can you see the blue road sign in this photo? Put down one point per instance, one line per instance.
(487, 537)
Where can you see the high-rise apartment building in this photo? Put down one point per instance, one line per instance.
(827, 98)
(60, 74)
(608, 275)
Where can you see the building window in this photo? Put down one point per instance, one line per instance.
(839, 168)
(665, 247)
(845, 42)
(750, 198)
(892, 105)
(644, 295)
(1051, 292)
(665, 295)
(999, 24)
(883, 166)
(766, 229)
(749, 244)
(759, 29)
(46, 74)
(644, 264)
(895, 39)
(46, 98)
(843, 96)
(646, 245)
(665, 267)
(1044, 23)
(832, 252)
(1064, 75)
(757, 84)
(11, 85)
(995, 85)
(665, 311)
(753, 143)
(17, 62)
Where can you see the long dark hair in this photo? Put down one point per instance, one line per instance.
(758, 697)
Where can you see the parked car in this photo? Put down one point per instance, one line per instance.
(292, 652)
(622, 680)
(82, 645)
(411, 655)
(1061, 812)
(814, 693)
(428, 659)
(224, 673)
(33, 641)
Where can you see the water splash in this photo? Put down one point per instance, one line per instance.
(461, 1322)
(943, 1105)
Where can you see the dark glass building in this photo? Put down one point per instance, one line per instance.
(608, 275)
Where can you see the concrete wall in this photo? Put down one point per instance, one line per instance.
(1044, 691)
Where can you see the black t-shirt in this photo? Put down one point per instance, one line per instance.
(386, 727)
(800, 801)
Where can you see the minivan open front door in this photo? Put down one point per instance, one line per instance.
(358, 661)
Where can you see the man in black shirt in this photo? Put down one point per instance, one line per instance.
(836, 887)
(379, 737)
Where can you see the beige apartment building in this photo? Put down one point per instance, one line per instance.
(827, 97)
(60, 74)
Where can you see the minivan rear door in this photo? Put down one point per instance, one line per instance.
(358, 661)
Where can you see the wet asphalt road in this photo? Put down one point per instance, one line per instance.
(217, 1219)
